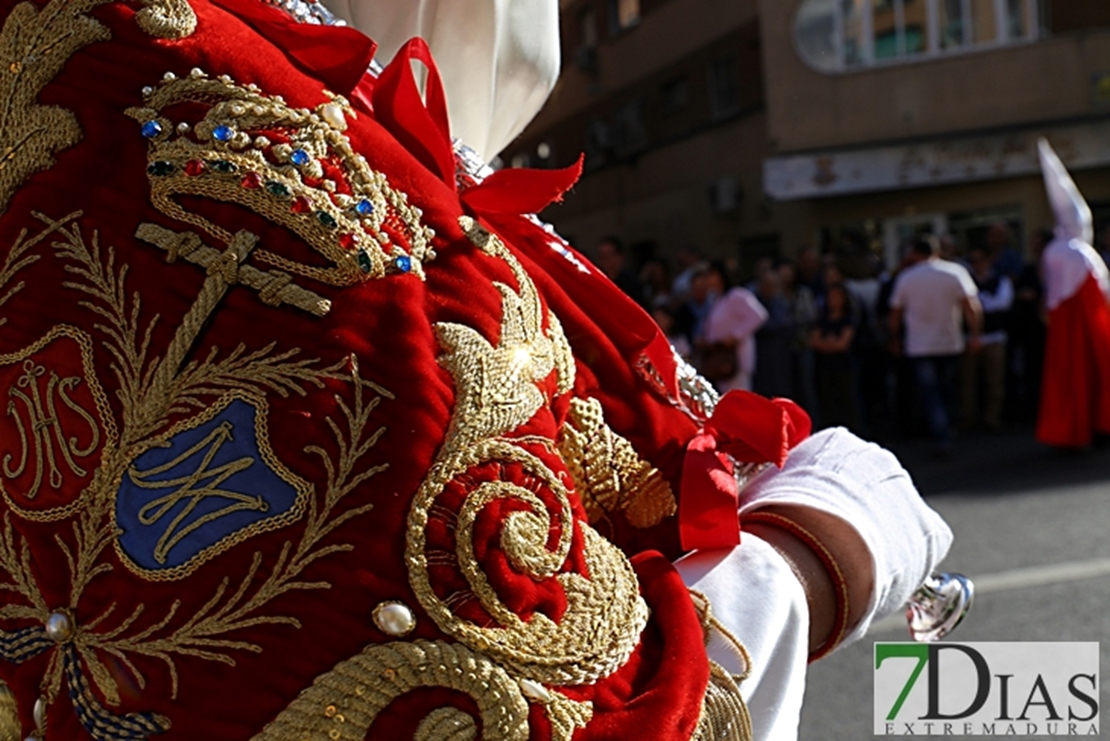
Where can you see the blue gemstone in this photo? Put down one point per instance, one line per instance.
(364, 207)
(151, 129)
(223, 133)
(403, 263)
(299, 158)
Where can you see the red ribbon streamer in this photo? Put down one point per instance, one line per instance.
(748, 428)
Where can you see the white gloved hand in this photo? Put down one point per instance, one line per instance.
(839, 474)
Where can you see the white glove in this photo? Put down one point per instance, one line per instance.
(839, 474)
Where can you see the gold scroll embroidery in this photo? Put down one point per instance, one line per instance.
(608, 474)
(496, 392)
(34, 47)
(341, 705)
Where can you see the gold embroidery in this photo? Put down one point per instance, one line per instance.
(724, 715)
(496, 392)
(167, 19)
(45, 442)
(204, 482)
(50, 441)
(17, 258)
(34, 47)
(446, 724)
(274, 288)
(608, 474)
(348, 213)
(9, 715)
(359, 688)
(151, 392)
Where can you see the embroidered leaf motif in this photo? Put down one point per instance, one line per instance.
(34, 46)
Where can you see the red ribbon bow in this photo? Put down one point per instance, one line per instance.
(747, 428)
(422, 126)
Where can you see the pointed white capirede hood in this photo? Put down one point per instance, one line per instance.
(498, 59)
(1069, 259)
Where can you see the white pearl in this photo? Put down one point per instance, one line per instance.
(58, 627)
(148, 90)
(534, 690)
(394, 618)
(196, 72)
(183, 128)
(333, 114)
(40, 713)
(169, 77)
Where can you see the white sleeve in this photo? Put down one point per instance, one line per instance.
(754, 594)
(839, 474)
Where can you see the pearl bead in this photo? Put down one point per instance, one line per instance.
(333, 114)
(534, 690)
(40, 713)
(394, 618)
(59, 627)
(169, 77)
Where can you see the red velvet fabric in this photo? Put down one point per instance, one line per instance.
(388, 326)
(1075, 390)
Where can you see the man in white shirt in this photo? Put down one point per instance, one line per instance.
(932, 298)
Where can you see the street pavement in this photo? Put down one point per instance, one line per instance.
(1031, 529)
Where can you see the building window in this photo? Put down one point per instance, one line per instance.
(623, 14)
(631, 136)
(723, 88)
(675, 94)
(841, 35)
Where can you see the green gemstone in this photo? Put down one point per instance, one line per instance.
(364, 262)
(161, 168)
(277, 189)
(327, 219)
(223, 166)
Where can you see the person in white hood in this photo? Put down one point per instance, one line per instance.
(1075, 391)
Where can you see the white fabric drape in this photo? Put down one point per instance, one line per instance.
(499, 59)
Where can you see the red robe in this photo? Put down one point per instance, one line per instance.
(1075, 391)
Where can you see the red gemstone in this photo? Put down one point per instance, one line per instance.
(194, 168)
(251, 181)
(301, 205)
(347, 241)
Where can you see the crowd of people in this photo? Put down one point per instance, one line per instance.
(958, 346)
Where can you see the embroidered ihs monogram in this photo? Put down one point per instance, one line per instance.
(51, 429)
(212, 483)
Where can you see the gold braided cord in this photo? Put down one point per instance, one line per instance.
(274, 288)
(724, 715)
(342, 704)
(101, 420)
(9, 715)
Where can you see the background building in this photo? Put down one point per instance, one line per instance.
(747, 128)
